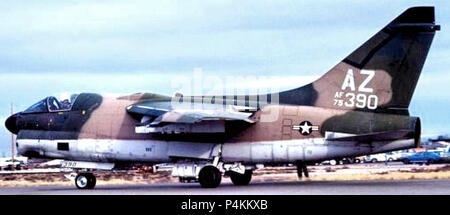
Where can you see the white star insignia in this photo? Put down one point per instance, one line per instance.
(305, 127)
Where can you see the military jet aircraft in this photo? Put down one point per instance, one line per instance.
(358, 107)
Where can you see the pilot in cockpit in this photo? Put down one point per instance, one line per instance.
(52, 104)
(65, 104)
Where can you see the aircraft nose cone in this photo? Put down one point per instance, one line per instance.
(11, 124)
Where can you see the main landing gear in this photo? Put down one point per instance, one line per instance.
(85, 180)
(241, 179)
(209, 177)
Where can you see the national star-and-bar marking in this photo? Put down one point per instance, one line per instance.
(305, 127)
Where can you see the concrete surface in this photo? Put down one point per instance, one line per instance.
(385, 187)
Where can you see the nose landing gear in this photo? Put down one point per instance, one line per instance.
(85, 181)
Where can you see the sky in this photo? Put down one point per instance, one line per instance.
(51, 47)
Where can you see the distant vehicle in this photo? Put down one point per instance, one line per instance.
(332, 162)
(423, 158)
(335, 162)
(405, 154)
(393, 156)
(444, 153)
(347, 160)
(381, 157)
(8, 164)
(360, 159)
(445, 157)
(384, 157)
(350, 160)
(441, 150)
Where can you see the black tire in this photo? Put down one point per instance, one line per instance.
(390, 160)
(241, 179)
(430, 161)
(209, 177)
(85, 181)
(92, 181)
(374, 160)
(406, 161)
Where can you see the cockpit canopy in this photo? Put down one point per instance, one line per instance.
(51, 104)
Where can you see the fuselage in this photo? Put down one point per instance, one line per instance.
(100, 129)
(359, 107)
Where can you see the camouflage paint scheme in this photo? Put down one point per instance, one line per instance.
(365, 96)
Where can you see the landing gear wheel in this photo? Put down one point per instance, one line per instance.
(210, 177)
(241, 179)
(85, 181)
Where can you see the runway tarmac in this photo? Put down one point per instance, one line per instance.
(386, 187)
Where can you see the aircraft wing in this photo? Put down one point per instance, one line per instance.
(164, 117)
(151, 109)
(377, 136)
(195, 116)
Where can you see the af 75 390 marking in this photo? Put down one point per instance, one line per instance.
(359, 99)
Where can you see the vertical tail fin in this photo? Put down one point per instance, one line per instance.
(380, 75)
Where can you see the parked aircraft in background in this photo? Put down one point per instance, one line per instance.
(359, 107)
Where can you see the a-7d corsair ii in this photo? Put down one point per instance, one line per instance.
(359, 107)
